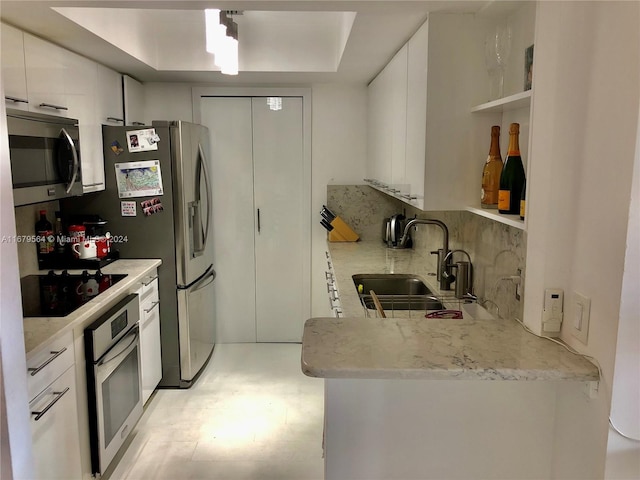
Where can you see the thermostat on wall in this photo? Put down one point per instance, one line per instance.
(553, 311)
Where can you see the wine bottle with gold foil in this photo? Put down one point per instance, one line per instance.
(512, 177)
(491, 172)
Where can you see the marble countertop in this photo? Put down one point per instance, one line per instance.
(478, 347)
(39, 331)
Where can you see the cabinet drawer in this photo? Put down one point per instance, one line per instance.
(54, 430)
(148, 285)
(149, 306)
(49, 364)
(150, 350)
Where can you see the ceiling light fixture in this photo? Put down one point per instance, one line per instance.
(222, 39)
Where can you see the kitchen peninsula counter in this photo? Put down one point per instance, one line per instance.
(408, 396)
(411, 346)
(40, 331)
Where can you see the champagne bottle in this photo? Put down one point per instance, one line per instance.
(523, 201)
(491, 172)
(512, 177)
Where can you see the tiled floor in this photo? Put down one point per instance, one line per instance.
(252, 414)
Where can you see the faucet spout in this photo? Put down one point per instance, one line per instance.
(464, 280)
(445, 283)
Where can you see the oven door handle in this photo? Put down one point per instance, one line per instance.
(109, 357)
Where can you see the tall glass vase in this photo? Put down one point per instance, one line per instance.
(497, 47)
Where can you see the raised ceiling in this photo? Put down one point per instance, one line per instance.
(289, 42)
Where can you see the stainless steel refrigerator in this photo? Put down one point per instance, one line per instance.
(171, 222)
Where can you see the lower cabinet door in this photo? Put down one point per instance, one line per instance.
(150, 354)
(54, 430)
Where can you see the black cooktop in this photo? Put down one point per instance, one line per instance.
(59, 294)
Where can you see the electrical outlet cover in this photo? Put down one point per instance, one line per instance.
(580, 323)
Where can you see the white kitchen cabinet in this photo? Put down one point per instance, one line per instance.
(42, 77)
(45, 73)
(416, 117)
(109, 106)
(387, 99)
(150, 351)
(81, 85)
(54, 412)
(335, 306)
(13, 69)
(440, 86)
(134, 104)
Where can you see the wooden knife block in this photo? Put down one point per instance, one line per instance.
(342, 232)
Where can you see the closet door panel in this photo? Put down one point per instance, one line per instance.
(229, 123)
(280, 241)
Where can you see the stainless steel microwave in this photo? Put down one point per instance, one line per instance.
(45, 157)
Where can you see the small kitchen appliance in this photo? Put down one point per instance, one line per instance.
(44, 153)
(393, 228)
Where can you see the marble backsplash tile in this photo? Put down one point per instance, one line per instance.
(496, 250)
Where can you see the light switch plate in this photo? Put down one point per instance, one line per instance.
(580, 320)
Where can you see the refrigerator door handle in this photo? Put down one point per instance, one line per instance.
(200, 231)
(198, 283)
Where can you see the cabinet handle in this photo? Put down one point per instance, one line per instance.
(15, 99)
(53, 402)
(150, 281)
(51, 105)
(115, 119)
(35, 370)
(137, 123)
(258, 220)
(155, 304)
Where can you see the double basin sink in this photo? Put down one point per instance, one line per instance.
(395, 291)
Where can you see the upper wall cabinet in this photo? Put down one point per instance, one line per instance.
(13, 70)
(45, 78)
(133, 92)
(514, 104)
(428, 172)
(45, 72)
(110, 105)
(448, 109)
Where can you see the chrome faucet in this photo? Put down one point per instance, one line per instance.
(464, 275)
(443, 273)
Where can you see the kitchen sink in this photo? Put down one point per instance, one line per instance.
(396, 291)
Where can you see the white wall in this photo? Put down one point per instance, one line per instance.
(167, 101)
(623, 454)
(14, 401)
(585, 118)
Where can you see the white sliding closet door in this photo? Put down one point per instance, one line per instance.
(229, 123)
(279, 190)
(261, 235)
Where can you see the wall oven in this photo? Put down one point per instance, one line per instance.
(112, 347)
(45, 157)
